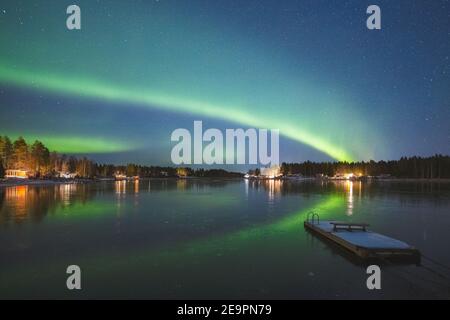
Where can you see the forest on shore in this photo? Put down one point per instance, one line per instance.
(434, 167)
(37, 159)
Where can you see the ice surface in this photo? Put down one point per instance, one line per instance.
(366, 239)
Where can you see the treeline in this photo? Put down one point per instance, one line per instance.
(108, 170)
(39, 162)
(435, 167)
(130, 170)
(210, 173)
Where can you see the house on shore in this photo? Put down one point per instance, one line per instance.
(67, 175)
(273, 172)
(17, 174)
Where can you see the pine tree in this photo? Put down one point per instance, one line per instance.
(20, 154)
(2, 170)
(6, 152)
(40, 157)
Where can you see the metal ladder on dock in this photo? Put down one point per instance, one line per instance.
(311, 217)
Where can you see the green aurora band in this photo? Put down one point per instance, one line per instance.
(106, 265)
(76, 144)
(90, 88)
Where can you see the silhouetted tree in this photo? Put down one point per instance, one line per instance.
(2, 170)
(20, 154)
(40, 157)
(6, 151)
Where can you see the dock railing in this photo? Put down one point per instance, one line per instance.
(349, 226)
(311, 217)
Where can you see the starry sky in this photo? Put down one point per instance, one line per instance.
(137, 70)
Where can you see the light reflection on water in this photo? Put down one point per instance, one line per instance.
(161, 227)
(350, 198)
(17, 196)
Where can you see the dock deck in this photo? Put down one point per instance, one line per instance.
(365, 244)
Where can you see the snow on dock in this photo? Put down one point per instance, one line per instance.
(356, 238)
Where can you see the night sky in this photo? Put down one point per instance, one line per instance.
(137, 70)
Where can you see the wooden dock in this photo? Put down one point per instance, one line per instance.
(355, 238)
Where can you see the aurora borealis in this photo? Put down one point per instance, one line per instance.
(138, 70)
